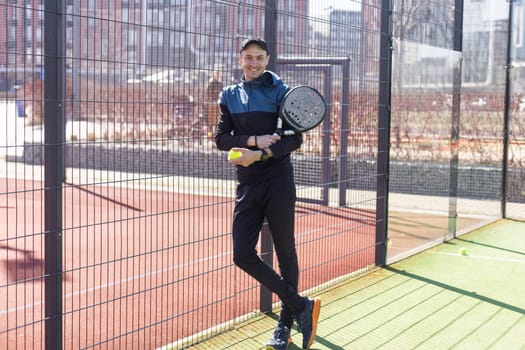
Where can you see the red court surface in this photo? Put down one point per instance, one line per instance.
(144, 268)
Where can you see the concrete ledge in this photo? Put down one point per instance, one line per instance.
(477, 182)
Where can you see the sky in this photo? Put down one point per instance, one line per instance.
(322, 8)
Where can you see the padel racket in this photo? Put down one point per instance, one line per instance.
(303, 108)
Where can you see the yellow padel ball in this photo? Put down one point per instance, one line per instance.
(232, 155)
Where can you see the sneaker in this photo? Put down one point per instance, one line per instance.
(280, 338)
(307, 320)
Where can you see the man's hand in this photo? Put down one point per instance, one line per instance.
(265, 141)
(248, 157)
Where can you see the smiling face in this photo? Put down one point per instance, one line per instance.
(253, 60)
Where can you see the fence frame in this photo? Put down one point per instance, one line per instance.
(54, 42)
(54, 112)
(506, 115)
(383, 132)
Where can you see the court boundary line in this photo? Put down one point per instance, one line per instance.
(482, 257)
(118, 282)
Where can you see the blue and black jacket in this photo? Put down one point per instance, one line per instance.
(251, 108)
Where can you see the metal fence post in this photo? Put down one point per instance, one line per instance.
(383, 141)
(506, 115)
(270, 30)
(327, 126)
(54, 110)
(455, 123)
(343, 153)
(454, 156)
(265, 302)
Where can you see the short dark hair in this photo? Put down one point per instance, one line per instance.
(259, 42)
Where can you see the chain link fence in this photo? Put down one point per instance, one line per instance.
(116, 206)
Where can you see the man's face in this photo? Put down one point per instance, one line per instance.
(253, 61)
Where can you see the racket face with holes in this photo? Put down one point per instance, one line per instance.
(303, 108)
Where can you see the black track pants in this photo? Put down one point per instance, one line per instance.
(275, 201)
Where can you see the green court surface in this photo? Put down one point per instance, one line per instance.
(437, 299)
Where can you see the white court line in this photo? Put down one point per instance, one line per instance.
(122, 281)
(482, 257)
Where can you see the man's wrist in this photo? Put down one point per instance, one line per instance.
(264, 155)
(251, 141)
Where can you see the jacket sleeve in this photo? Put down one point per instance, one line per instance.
(287, 144)
(224, 138)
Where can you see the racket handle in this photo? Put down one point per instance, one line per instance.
(278, 131)
(281, 132)
(284, 133)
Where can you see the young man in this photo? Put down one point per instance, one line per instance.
(266, 187)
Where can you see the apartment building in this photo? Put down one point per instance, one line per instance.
(132, 37)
